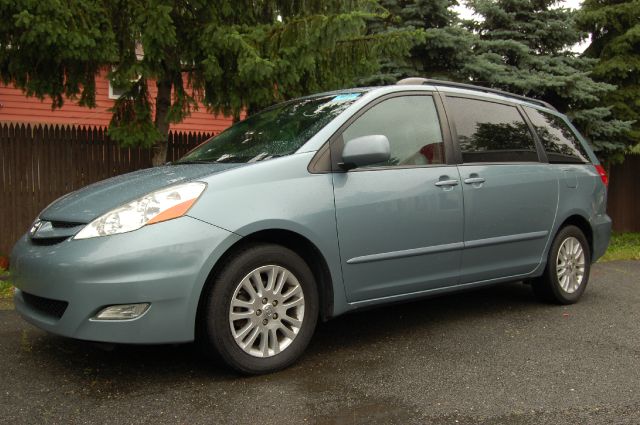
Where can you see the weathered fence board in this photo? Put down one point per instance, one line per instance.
(41, 163)
(624, 195)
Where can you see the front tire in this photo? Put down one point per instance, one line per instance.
(567, 271)
(262, 309)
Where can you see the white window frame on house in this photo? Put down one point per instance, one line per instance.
(114, 95)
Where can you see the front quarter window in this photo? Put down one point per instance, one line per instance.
(277, 131)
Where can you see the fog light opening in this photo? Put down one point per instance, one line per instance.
(122, 312)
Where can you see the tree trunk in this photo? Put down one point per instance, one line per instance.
(163, 103)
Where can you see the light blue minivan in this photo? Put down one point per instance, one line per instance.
(316, 207)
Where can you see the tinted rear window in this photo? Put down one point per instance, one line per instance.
(559, 141)
(491, 132)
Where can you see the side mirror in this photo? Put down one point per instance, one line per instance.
(365, 150)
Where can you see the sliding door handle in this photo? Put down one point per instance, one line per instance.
(474, 180)
(447, 183)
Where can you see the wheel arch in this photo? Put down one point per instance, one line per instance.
(298, 243)
(581, 223)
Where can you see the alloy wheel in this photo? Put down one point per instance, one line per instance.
(266, 311)
(570, 264)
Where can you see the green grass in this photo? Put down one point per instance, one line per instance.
(623, 246)
(6, 294)
(6, 289)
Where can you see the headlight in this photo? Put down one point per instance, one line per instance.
(161, 205)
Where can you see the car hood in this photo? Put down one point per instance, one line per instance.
(90, 202)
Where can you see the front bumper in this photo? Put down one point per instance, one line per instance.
(165, 264)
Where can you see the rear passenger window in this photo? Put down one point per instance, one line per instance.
(491, 132)
(410, 123)
(560, 143)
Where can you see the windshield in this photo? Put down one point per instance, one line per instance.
(276, 131)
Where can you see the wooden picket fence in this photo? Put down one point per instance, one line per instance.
(41, 163)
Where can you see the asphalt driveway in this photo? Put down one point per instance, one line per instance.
(492, 356)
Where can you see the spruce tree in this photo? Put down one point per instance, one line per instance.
(523, 46)
(441, 44)
(234, 55)
(614, 26)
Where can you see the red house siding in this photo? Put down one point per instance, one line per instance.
(15, 107)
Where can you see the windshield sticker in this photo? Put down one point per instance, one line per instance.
(345, 97)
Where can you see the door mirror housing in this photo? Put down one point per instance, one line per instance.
(365, 150)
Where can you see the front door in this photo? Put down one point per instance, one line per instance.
(399, 223)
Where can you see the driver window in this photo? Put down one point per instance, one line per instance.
(410, 123)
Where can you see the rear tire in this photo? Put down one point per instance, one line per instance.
(567, 271)
(262, 309)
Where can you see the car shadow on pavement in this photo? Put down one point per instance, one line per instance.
(361, 331)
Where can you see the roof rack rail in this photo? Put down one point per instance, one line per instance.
(432, 82)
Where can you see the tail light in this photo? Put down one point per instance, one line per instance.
(603, 174)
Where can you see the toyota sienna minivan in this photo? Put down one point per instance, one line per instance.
(316, 207)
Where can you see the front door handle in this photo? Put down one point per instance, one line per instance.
(474, 180)
(447, 183)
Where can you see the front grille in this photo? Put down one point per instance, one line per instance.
(65, 224)
(54, 308)
(53, 232)
(48, 241)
